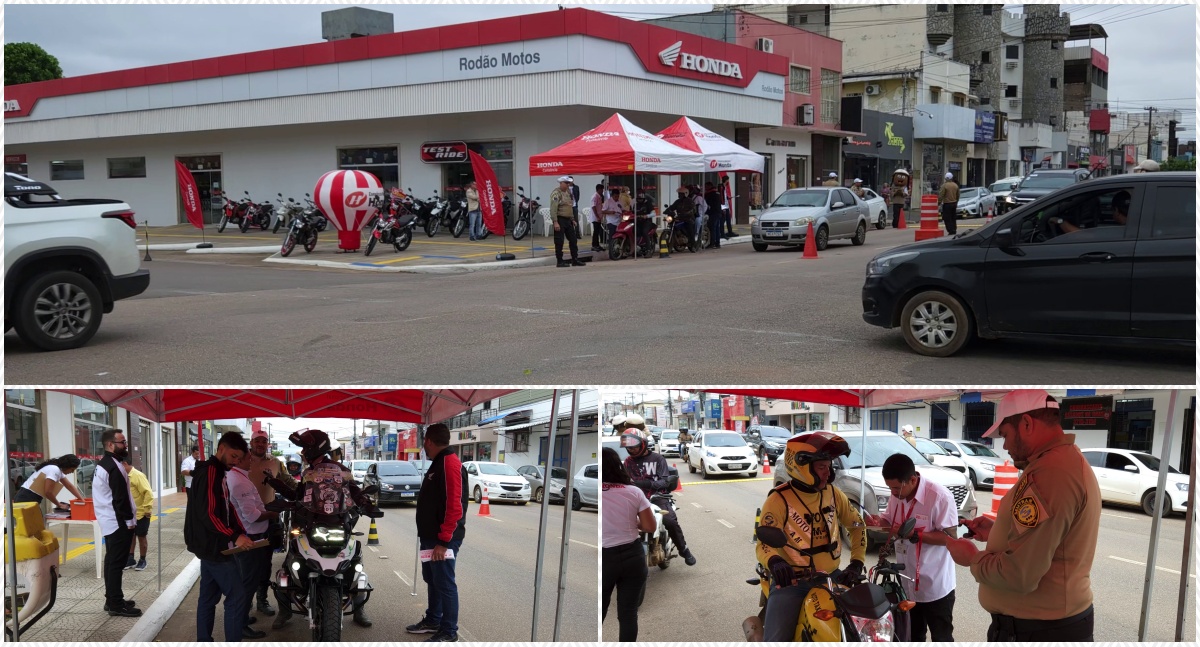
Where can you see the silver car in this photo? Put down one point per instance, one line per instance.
(981, 460)
(1001, 190)
(976, 202)
(587, 487)
(834, 213)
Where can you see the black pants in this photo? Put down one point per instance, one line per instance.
(596, 231)
(728, 223)
(625, 570)
(714, 227)
(672, 523)
(27, 496)
(896, 209)
(1077, 628)
(783, 612)
(937, 617)
(567, 229)
(116, 555)
(949, 216)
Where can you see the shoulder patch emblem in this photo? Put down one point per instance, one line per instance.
(1026, 512)
(768, 519)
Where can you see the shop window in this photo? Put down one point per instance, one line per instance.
(978, 417)
(520, 442)
(126, 167)
(1012, 52)
(888, 420)
(853, 416)
(816, 421)
(23, 415)
(1010, 91)
(831, 96)
(499, 154)
(381, 161)
(91, 419)
(939, 420)
(800, 81)
(66, 170)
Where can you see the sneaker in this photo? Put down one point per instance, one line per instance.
(578, 263)
(131, 563)
(423, 627)
(689, 558)
(141, 565)
(443, 637)
(564, 264)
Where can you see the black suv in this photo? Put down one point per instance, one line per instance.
(1068, 266)
(1042, 183)
(768, 440)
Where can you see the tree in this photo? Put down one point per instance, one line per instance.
(1179, 164)
(29, 63)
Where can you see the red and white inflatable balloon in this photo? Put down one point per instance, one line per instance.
(345, 197)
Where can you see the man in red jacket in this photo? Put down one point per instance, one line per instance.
(441, 526)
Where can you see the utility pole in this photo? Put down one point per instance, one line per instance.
(1149, 129)
(1172, 140)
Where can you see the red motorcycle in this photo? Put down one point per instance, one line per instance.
(232, 212)
(623, 243)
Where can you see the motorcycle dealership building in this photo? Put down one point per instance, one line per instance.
(405, 106)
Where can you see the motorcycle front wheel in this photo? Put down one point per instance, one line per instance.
(458, 227)
(311, 243)
(521, 229)
(371, 245)
(224, 223)
(431, 227)
(329, 615)
(245, 224)
(403, 239)
(278, 223)
(616, 249)
(289, 244)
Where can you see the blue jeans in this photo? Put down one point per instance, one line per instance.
(443, 590)
(475, 223)
(217, 579)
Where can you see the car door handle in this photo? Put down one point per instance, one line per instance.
(1098, 257)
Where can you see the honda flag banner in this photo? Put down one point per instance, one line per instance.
(190, 195)
(490, 197)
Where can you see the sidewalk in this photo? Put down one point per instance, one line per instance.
(78, 614)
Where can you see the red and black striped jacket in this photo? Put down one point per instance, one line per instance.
(211, 524)
(442, 503)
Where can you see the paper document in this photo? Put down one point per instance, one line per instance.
(427, 554)
(258, 544)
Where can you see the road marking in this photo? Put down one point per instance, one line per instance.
(373, 549)
(786, 334)
(534, 311)
(672, 278)
(102, 373)
(402, 578)
(688, 484)
(576, 541)
(697, 504)
(1119, 516)
(583, 356)
(724, 523)
(493, 518)
(1160, 568)
(389, 262)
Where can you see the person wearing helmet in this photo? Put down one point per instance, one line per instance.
(684, 212)
(293, 465)
(899, 194)
(812, 512)
(906, 432)
(685, 437)
(648, 470)
(1147, 166)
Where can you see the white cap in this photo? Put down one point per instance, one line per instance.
(900, 171)
(832, 174)
(906, 430)
(949, 176)
(259, 433)
(565, 178)
(857, 181)
(1018, 402)
(570, 178)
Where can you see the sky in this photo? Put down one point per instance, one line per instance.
(1152, 47)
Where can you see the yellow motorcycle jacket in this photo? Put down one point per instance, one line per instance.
(813, 523)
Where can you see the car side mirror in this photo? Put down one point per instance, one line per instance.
(1005, 239)
(954, 452)
(838, 205)
(1131, 468)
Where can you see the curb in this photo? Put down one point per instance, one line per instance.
(147, 627)
(264, 249)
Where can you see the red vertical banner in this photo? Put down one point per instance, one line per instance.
(190, 195)
(490, 197)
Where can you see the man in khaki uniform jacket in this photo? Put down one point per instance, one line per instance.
(948, 201)
(832, 181)
(1035, 574)
(562, 209)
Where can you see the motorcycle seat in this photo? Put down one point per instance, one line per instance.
(866, 600)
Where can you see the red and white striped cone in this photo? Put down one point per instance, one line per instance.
(1006, 478)
(485, 508)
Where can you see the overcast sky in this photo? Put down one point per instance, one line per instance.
(1152, 48)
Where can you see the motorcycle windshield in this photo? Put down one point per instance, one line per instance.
(328, 493)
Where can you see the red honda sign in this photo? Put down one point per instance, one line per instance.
(14, 159)
(443, 152)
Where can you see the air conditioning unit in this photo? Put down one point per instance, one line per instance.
(765, 45)
(1014, 103)
(1011, 65)
(805, 115)
(872, 89)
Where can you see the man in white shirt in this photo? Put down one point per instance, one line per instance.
(252, 512)
(114, 506)
(594, 218)
(187, 466)
(926, 559)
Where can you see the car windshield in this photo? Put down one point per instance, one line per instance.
(1152, 462)
(1001, 186)
(399, 468)
(978, 450)
(930, 447)
(802, 199)
(360, 466)
(968, 194)
(497, 469)
(421, 464)
(1047, 181)
(879, 448)
(724, 440)
(774, 432)
(671, 435)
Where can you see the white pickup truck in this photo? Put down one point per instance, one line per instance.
(66, 262)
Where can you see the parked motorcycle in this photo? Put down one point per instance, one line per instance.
(526, 210)
(322, 574)
(232, 212)
(392, 229)
(833, 610)
(258, 213)
(622, 243)
(285, 212)
(303, 230)
(427, 212)
(887, 576)
(456, 214)
(320, 221)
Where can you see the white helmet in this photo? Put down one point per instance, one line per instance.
(1148, 166)
(618, 420)
(334, 446)
(634, 420)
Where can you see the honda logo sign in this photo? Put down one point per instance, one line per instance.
(443, 152)
(697, 63)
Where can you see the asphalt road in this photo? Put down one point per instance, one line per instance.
(495, 575)
(734, 316)
(708, 602)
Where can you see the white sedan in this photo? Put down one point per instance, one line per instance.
(721, 452)
(878, 208)
(585, 487)
(502, 481)
(1131, 478)
(939, 456)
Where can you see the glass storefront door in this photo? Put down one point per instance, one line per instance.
(206, 170)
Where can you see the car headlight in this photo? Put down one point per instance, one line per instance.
(1010, 199)
(800, 222)
(1181, 486)
(881, 265)
(988, 467)
(710, 454)
(525, 486)
(386, 487)
(490, 484)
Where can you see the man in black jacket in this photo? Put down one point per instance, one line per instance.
(715, 218)
(441, 526)
(211, 526)
(649, 472)
(114, 508)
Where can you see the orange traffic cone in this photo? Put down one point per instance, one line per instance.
(485, 508)
(903, 224)
(810, 243)
(1006, 478)
(766, 466)
(679, 482)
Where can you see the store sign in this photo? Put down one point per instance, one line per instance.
(443, 152)
(14, 159)
(12, 106)
(698, 63)
(783, 143)
(1086, 413)
(985, 127)
(714, 408)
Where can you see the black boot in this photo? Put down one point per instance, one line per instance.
(688, 557)
(264, 607)
(360, 617)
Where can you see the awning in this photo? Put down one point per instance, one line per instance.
(524, 425)
(821, 130)
(505, 414)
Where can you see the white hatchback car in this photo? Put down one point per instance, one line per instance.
(502, 481)
(1131, 478)
(717, 452)
(668, 442)
(585, 487)
(981, 460)
(939, 456)
(878, 208)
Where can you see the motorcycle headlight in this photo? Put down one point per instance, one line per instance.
(670, 220)
(325, 536)
(800, 222)
(883, 264)
(871, 630)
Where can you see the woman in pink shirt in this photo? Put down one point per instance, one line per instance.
(626, 514)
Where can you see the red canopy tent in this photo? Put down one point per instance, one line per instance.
(616, 147)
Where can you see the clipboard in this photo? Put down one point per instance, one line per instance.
(257, 544)
(46, 488)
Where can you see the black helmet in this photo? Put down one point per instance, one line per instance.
(801, 451)
(314, 443)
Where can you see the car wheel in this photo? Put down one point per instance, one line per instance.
(537, 495)
(935, 324)
(1148, 504)
(58, 311)
(753, 475)
(691, 468)
(576, 503)
(478, 495)
(974, 478)
(704, 471)
(822, 238)
(759, 247)
(882, 222)
(860, 235)
(522, 502)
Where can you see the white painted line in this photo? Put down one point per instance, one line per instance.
(102, 373)
(373, 549)
(1160, 568)
(785, 333)
(576, 541)
(583, 356)
(724, 523)
(1119, 516)
(402, 578)
(696, 505)
(494, 519)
